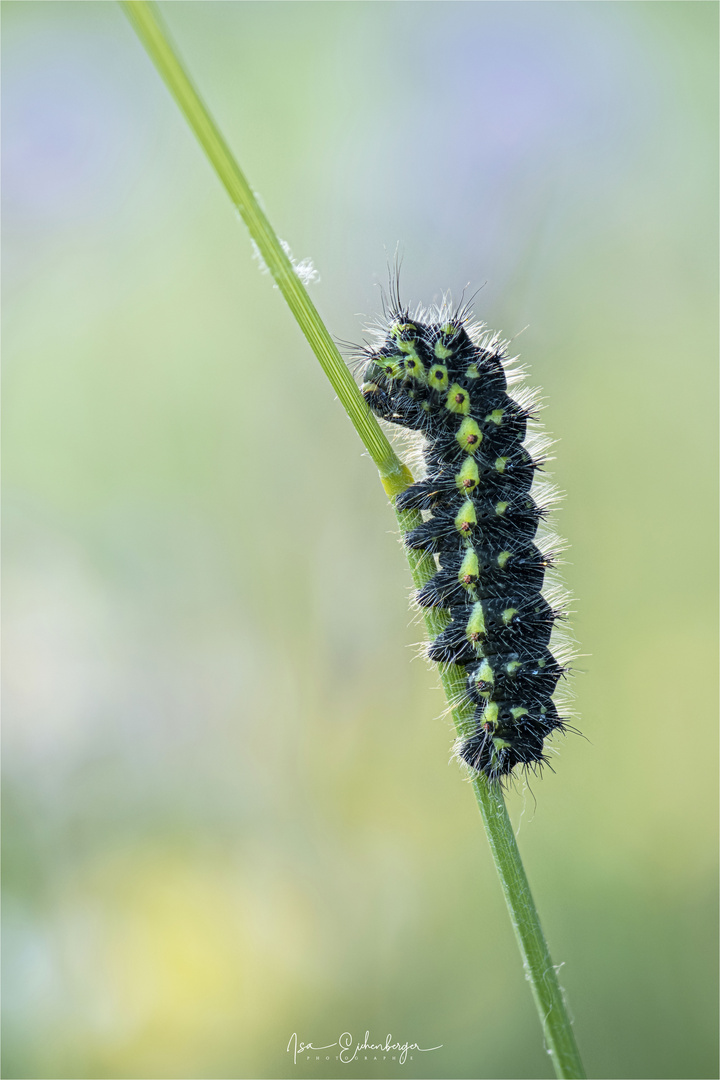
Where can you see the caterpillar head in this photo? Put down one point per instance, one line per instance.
(395, 377)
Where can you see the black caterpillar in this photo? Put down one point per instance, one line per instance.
(448, 380)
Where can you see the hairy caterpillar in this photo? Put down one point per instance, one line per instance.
(437, 373)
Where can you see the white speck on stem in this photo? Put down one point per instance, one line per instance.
(304, 269)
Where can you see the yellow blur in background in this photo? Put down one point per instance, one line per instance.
(228, 811)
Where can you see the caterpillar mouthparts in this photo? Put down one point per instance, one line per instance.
(437, 373)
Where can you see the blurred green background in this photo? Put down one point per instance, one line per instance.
(229, 814)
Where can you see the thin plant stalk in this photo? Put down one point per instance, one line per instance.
(395, 477)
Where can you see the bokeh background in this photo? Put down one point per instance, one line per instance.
(229, 814)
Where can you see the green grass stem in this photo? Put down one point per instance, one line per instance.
(395, 476)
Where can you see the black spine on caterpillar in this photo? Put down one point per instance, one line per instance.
(439, 375)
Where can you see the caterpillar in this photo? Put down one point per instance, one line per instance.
(438, 373)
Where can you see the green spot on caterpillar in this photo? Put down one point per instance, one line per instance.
(469, 476)
(469, 570)
(484, 679)
(500, 508)
(508, 615)
(458, 400)
(414, 367)
(438, 377)
(500, 464)
(441, 351)
(391, 369)
(466, 518)
(469, 435)
(490, 715)
(495, 417)
(403, 331)
(475, 629)
(502, 559)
